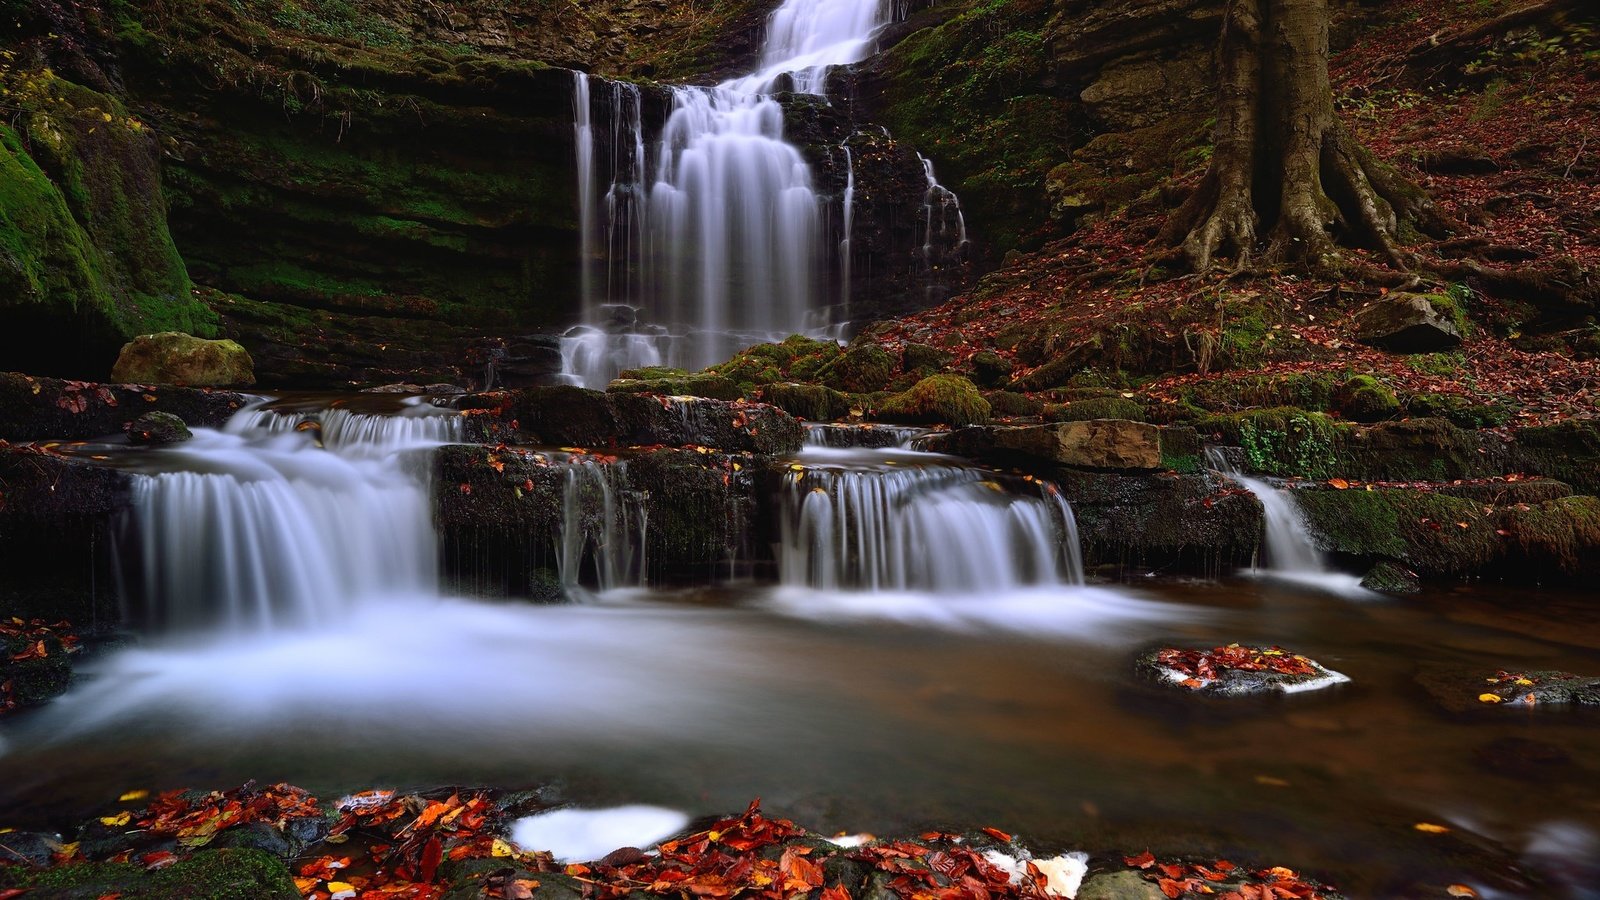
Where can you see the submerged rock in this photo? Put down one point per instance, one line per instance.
(1408, 323)
(172, 357)
(1464, 689)
(1237, 671)
(158, 429)
(1391, 578)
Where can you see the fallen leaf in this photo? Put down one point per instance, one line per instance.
(1430, 828)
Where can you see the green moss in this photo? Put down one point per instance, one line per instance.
(1366, 399)
(796, 358)
(716, 387)
(1421, 529)
(1011, 403)
(967, 93)
(208, 875)
(1564, 533)
(862, 368)
(807, 401)
(1441, 364)
(1286, 441)
(1463, 412)
(923, 359)
(1095, 408)
(938, 398)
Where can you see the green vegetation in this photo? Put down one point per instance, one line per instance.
(209, 875)
(1366, 399)
(951, 399)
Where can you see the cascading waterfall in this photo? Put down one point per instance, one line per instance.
(942, 218)
(265, 529)
(1290, 552)
(604, 523)
(723, 243)
(942, 528)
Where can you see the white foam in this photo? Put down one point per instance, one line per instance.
(850, 840)
(1063, 874)
(1050, 611)
(583, 835)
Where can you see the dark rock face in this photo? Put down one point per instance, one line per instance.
(65, 511)
(1407, 323)
(1160, 521)
(502, 514)
(34, 409)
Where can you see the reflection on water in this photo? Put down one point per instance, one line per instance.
(701, 700)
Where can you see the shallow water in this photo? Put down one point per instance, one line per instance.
(852, 715)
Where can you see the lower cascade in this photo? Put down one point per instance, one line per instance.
(1290, 551)
(288, 518)
(922, 524)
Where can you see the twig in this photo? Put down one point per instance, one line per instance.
(1582, 145)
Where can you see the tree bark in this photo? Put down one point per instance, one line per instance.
(1284, 171)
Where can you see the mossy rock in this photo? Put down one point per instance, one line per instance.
(1366, 399)
(923, 359)
(1286, 441)
(717, 387)
(652, 373)
(158, 429)
(796, 358)
(1463, 412)
(1095, 408)
(990, 369)
(807, 401)
(1431, 534)
(1011, 403)
(172, 357)
(208, 875)
(1561, 535)
(950, 399)
(862, 368)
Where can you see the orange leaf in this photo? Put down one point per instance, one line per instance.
(1339, 483)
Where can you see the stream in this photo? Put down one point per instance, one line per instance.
(929, 656)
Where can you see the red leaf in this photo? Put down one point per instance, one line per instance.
(432, 853)
(1143, 861)
(997, 834)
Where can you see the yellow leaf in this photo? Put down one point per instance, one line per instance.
(1430, 828)
(796, 467)
(106, 116)
(713, 836)
(501, 848)
(6, 830)
(338, 890)
(1269, 781)
(1490, 698)
(1524, 682)
(133, 795)
(117, 820)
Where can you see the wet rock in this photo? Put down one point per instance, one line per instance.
(1094, 444)
(157, 429)
(1464, 689)
(1236, 671)
(1391, 578)
(34, 409)
(31, 847)
(260, 836)
(573, 416)
(172, 357)
(1119, 886)
(1407, 323)
(923, 359)
(529, 361)
(1365, 399)
(1171, 523)
(862, 368)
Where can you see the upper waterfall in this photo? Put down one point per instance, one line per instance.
(718, 238)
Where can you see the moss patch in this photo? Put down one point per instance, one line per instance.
(938, 398)
(208, 875)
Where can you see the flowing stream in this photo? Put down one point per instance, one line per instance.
(929, 654)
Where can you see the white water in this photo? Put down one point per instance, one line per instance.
(264, 528)
(916, 522)
(1291, 554)
(584, 835)
(722, 243)
(603, 523)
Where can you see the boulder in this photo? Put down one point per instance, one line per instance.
(1237, 671)
(1407, 323)
(172, 357)
(951, 399)
(807, 401)
(157, 429)
(716, 387)
(1093, 444)
(564, 415)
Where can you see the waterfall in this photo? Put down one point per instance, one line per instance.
(872, 435)
(845, 245)
(285, 519)
(722, 244)
(1290, 552)
(936, 527)
(602, 522)
(941, 218)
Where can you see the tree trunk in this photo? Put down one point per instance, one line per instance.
(1283, 165)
